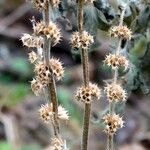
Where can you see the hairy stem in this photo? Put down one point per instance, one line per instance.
(116, 69)
(85, 65)
(87, 108)
(80, 15)
(87, 112)
(110, 144)
(122, 16)
(51, 88)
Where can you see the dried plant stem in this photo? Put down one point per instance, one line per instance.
(87, 108)
(110, 144)
(85, 65)
(51, 88)
(116, 69)
(122, 16)
(111, 104)
(87, 112)
(80, 15)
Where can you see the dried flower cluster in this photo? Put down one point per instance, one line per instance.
(43, 4)
(57, 144)
(37, 87)
(33, 57)
(116, 61)
(51, 31)
(121, 31)
(113, 123)
(115, 93)
(83, 40)
(43, 71)
(47, 114)
(32, 41)
(86, 94)
(47, 69)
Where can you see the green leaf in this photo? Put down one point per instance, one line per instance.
(95, 19)
(138, 51)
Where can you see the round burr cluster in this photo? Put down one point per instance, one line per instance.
(43, 71)
(115, 93)
(57, 68)
(47, 114)
(51, 31)
(54, 3)
(32, 41)
(36, 87)
(39, 4)
(43, 4)
(83, 40)
(56, 144)
(32, 57)
(121, 31)
(86, 94)
(113, 122)
(116, 61)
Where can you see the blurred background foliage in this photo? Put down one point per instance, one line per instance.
(20, 127)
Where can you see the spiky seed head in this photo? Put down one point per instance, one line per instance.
(116, 61)
(36, 87)
(75, 40)
(121, 31)
(113, 122)
(32, 41)
(86, 94)
(115, 93)
(39, 27)
(54, 3)
(62, 113)
(57, 68)
(42, 72)
(33, 57)
(86, 40)
(39, 4)
(56, 144)
(52, 32)
(47, 114)
(83, 40)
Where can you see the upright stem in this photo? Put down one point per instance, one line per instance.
(85, 65)
(87, 112)
(80, 15)
(116, 69)
(122, 16)
(110, 144)
(52, 94)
